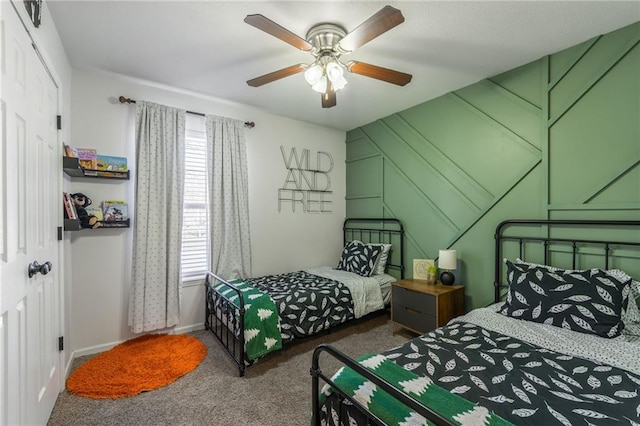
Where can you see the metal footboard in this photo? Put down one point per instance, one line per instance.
(317, 374)
(225, 319)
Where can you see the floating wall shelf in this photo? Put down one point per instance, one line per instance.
(71, 167)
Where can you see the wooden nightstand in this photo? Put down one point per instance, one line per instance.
(422, 307)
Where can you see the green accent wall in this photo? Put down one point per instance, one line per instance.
(558, 138)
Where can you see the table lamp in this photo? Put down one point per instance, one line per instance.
(447, 261)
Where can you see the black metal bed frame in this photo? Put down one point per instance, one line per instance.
(389, 231)
(500, 239)
(225, 319)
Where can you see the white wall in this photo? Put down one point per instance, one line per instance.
(280, 241)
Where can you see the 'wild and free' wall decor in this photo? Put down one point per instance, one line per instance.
(307, 187)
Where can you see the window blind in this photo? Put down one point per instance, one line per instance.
(195, 228)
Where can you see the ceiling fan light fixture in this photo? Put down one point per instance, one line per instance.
(334, 70)
(339, 83)
(313, 74)
(327, 42)
(320, 86)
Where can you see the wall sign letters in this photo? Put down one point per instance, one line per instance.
(307, 186)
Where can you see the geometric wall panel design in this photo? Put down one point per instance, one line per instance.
(365, 176)
(442, 165)
(524, 82)
(623, 190)
(595, 140)
(557, 138)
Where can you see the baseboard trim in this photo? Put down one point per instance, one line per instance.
(188, 328)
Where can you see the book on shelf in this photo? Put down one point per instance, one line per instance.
(114, 210)
(111, 163)
(72, 206)
(87, 158)
(65, 206)
(69, 206)
(70, 151)
(95, 211)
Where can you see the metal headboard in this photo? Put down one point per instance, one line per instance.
(378, 230)
(574, 244)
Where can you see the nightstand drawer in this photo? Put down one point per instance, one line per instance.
(421, 302)
(410, 318)
(421, 308)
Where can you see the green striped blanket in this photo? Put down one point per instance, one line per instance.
(261, 320)
(450, 406)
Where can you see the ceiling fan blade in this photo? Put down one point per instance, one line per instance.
(329, 98)
(379, 73)
(276, 75)
(381, 22)
(278, 31)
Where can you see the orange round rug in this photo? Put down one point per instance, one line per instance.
(145, 363)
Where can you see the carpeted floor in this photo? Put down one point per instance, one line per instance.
(275, 391)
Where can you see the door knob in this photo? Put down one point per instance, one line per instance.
(35, 267)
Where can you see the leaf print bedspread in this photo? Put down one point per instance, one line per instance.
(522, 382)
(307, 303)
(617, 352)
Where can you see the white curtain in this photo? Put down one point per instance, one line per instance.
(154, 302)
(229, 199)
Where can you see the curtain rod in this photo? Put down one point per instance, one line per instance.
(123, 100)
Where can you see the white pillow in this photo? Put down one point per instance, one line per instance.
(631, 317)
(381, 264)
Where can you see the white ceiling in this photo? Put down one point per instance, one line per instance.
(205, 47)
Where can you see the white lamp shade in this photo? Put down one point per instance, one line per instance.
(334, 71)
(313, 74)
(339, 83)
(447, 259)
(320, 86)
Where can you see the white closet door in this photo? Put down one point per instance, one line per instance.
(30, 317)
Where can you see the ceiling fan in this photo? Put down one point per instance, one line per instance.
(327, 42)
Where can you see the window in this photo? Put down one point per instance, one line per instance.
(195, 227)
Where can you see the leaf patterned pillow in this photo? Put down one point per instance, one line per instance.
(588, 301)
(359, 258)
(631, 314)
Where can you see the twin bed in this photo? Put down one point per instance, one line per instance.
(558, 346)
(251, 323)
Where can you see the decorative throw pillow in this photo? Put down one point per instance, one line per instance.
(630, 315)
(588, 301)
(381, 263)
(359, 258)
(633, 313)
(634, 326)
